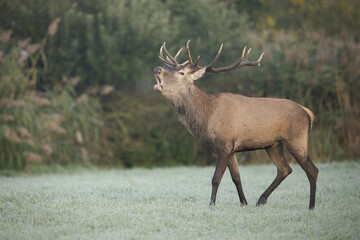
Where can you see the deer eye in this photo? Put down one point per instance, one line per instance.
(182, 73)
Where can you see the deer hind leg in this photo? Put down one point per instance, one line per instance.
(276, 154)
(235, 175)
(221, 165)
(299, 150)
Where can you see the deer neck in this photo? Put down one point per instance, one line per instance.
(194, 108)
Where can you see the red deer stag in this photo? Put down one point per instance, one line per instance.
(228, 123)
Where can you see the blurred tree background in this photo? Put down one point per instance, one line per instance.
(76, 81)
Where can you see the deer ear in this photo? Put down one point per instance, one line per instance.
(198, 74)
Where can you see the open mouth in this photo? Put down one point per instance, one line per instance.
(159, 85)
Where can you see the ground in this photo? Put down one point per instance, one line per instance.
(172, 203)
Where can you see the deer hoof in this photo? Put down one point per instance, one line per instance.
(261, 201)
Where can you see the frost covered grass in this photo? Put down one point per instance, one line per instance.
(172, 203)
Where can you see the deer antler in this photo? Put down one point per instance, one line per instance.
(243, 61)
(171, 61)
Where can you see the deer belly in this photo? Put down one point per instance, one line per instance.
(252, 144)
(257, 138)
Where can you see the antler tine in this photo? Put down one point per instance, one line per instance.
(216, 57)
(161, 56)
(247, 54)
(243, 53)
(243, 57)
(184, 63)
(197, 61)
(245, 62)
(260, 58)
(178, 53)
(165, 62)
(188, 52)
(174, 62)
(189, 56)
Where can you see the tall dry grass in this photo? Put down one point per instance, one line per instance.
(41, 127)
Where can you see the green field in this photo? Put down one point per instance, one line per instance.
(172, 203)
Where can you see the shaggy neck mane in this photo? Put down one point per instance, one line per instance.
(194, 108)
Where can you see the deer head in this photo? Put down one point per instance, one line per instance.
(174, 78)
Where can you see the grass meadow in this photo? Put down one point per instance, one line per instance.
(172, 203)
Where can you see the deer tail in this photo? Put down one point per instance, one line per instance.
(311, 115)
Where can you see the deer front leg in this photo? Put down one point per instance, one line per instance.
(222, 162)
(235, 175)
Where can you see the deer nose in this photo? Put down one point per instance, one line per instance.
(157, 70)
